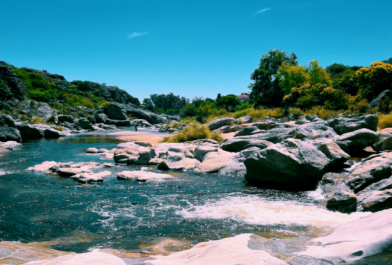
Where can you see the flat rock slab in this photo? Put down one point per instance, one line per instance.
(142, 175)
(92, 177)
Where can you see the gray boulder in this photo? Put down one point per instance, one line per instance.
(352, 123)
(291, 162)
(245, 119)
(117, 111)
(216, 124)
(375, 103)
(333, 151)
(14, 87)
(372, 169)
(85, 124)
(356, 141)
(201, 151)
(354, 241)
(183, 164)
(237, 145)
(229, 129)
(145, 114)
(8, 129)
(101, 118)
(377, 200)
(66, 118)
(385, 143)
(343, 202)
(123, 123)
(267, 125)
(39, 109)
(29, 132)
(246, 131)
(51, 133)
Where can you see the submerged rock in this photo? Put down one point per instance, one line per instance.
(355, 240)
(228, 251)
(291, 162)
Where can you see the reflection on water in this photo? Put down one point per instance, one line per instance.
(152, 217)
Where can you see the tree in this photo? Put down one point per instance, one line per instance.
(265, 88)
(374, 79)
(228, 102)
(388, 61)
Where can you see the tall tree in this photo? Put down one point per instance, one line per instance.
(265, 88)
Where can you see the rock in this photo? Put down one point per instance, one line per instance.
(267, 125)
(201, 151)
(333, 151)
(300, 122)
(292, 162)
(306, 260)
(65, 118)
(385, 143)
(344, 125)
(245, 119)
(85, 124)
(8, 129)
(357, 140)
(237, 145)
(213, 125)
(146, 115)
(94, 258)
(123, 123)
(246, 131)
(145, 144)
(107, 165)
(141, 123)
(101, 118)
(375, 103)
(92, 177)
(92, 150)
(116, 111)
(229, 129)
(311, 117)
(71, 169)
(355, 240)
(142, 175)
(384, 184)
(377, 200)
(51, 133)
(10, 145)
(183, 164)
(29, 132)
(39, 109)
(372, 169)
(343, 202)
(43, 167)
(132, 153)
(15, 88)
(214, 161)
(228, 251)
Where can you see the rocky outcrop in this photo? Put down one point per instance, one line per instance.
(13, 87)
(101, 118)
(229, 129)
(355, 241)
(292, 162)
(8, 129)
(378, 200)
(116, 111)
(216, 124)
(352, 123)
(237, 145)
(384, 143)
(145, 114)
(375, 103)
(246, 131)
(38, 109)
(333, 151)
(354, 142)
(85, 124)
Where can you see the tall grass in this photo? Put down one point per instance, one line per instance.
(38, 120)
(193, 131)
(260, 114)
(323, 113)
(384, 121)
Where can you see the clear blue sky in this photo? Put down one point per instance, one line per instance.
(190, 48)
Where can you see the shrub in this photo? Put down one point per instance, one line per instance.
(193, 131)
(323, 113)
(216, 136)
(277, 113)
(295, 112)
(105, 104)
(59, 128)
(384, 120)
(38, 120)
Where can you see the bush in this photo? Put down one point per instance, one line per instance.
(216, 136)
(38, 120)
(193, 131)
(277, 113)
(59, 128)
(323, 113)
(384, 120)
(295, 112)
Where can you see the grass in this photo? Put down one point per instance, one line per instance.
(59, 128)
(193, 131)
(384, 121)
(260, 114)
(323, 113)
(38, 120)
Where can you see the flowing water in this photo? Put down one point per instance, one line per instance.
(137, 216)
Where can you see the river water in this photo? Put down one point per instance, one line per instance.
(134, 216)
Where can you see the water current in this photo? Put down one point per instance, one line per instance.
(133, 216)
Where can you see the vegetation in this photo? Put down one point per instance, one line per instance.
(193, 131)
(384, 120)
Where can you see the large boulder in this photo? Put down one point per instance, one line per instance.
(101, 118)
(215, 161)
(116, 111)
(123, 123)
(183, 164)
(85, 124)
(91, 258)
(29, 132)
(14, 88)
(377, 200)
(38, 109)
(355, 240)
(384, 143)
(343, 201)
(8, 129)
(352, 123)
(145, 114)
(372, 169)
(237, 145)
(375, 103)
(246, 131)
(65, 118)
(132, 153)
(216, 124)
(245, 119)
(356, 141)
(292, 162)
(332, 150)
(202, 150)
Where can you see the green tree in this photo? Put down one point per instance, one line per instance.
(374, 79)
(228, 102)
(265, 88)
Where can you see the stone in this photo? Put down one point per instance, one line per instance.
(92, 258)
(375, 103)
(266, 125)
(343, 202)
(65, 118)
(355, 240)
(214, 161)
(183, 164)
(246, 131)
(352, 123)
(132, 153)
(85, 124)
(237, 145)
(228, 251)
(92, 177)
(245, 119)
(201, 151)
(8, 129)
(29, 132)
(150, 117)
(51, 133)
(229, 129)
(10, 145)
(333, 151)
(116, 111)
(101, 118)
(216, 124)
(145, 144)
(15, 88)
(290, 163)
(384, 143)
(372, 169)
(377, 200)
(43, 167)
(142, 175)
(39, 109)
(384, 184)
(357, 140)
(141, 123)
(92, 150)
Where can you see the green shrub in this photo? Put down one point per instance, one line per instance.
(384, 120)
(193, 131)
(38, 120)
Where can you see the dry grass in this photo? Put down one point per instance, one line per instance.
(323, 113)
(59, 128)
(38, 120)
(384, 121)
(193, 131)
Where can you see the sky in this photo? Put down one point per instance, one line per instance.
(190, 48)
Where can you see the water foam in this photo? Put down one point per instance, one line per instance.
(259, 211)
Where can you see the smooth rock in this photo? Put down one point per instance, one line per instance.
(201, 151)
(377, 200)
(333, 151)
(358, 140)
(246, 131)
(85, 124)
(92, 177)
(184, 164)
(214, 161)
(29, 132)
(43, 167)
(343, 202)
(344, 125)
(142, 175)
(10, 145)
(245, 119)
(237, 145)
(216, 124)
(92, 150)
(8, 129)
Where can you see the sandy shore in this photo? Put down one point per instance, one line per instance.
(151, 138)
